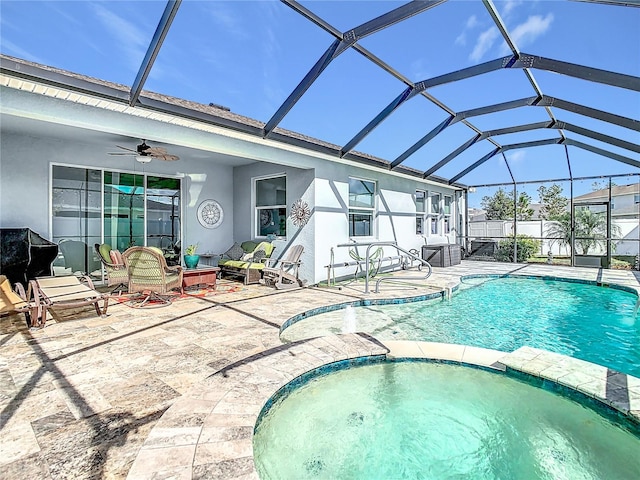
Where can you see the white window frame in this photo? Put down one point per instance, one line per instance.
(256, 209)
(420, 214)
(371, 211)
(447, 227)
(435, 213)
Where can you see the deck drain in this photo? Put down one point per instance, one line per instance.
(314, 466)
(355, 419)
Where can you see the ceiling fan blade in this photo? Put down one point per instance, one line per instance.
(121, 153)
(156, 151)
(167, 157)
(126, 148)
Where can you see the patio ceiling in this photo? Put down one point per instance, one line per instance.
(573, 104)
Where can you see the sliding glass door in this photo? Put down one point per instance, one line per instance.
(163, 216)
(76, 217)
(122, 209)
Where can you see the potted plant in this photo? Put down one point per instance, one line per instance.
(191, 259)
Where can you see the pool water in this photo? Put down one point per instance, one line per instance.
(422, 420)
(589, 322)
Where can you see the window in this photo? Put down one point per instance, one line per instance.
(447, 213)
(361, 207)
(434, 213)
(271, 206)
(421, 209)
(636, 198)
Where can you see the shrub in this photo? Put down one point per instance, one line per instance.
(527, 247)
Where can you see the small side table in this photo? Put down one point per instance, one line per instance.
(211, 259)
(200, 276)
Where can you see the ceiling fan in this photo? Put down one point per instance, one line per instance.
(144, 153)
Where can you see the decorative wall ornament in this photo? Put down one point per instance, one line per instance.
(210, 214)
(300, 213)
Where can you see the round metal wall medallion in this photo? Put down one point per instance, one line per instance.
(210, 214)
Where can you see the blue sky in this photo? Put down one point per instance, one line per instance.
(249, 55)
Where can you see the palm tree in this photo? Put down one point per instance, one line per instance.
(590, 232)
(560, 230)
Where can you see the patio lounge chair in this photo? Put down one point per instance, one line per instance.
(15, 301)
(283, 273)
(246, 260)
(65, 292)
(148, 273)
(117, 275)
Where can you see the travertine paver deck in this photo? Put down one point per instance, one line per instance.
(149, 391)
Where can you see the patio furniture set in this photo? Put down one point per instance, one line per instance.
(144, 271)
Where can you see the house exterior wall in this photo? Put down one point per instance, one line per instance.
(25, 184)
(320, 180)
(300, 184)
(325, 188)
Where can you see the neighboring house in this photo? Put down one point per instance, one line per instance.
(58, 177)
(625, 200)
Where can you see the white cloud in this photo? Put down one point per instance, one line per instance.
(226, 19)
(517, 156)
(12, 49)
(472, 21)
(130, 38)
(526, 33)
(419, 70)
(484, 43)
(509, 6)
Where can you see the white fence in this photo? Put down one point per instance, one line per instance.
(628, 244)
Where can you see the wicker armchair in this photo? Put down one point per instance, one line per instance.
(117, 275)
(149, 273)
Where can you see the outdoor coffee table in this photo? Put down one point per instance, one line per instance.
(200, 276)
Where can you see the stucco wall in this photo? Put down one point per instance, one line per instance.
(326, 190)
(300, 184)
(395, 220)
(25, 165)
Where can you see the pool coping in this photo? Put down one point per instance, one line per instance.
(447, 290)
(209, 431)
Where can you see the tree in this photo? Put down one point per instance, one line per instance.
(591, 229)
(604, 185)
(590, 232)
(559, 230)
(554, 205)
(527, 247)
(500, 206)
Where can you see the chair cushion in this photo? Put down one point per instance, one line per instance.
(157, 250)
(9, 300)
(235, 252)
(116, 257)
(249, 246)
(241, 264)
(267, 247)
(104, 250)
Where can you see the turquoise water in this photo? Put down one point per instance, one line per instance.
(592, 323)
(417, 420)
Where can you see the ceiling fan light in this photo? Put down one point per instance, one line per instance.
(143, 159)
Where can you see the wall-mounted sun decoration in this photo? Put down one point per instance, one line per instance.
(300, 213)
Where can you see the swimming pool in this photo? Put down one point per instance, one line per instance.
(397, 420)
(585, 321)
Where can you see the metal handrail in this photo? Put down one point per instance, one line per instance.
(400, 249)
